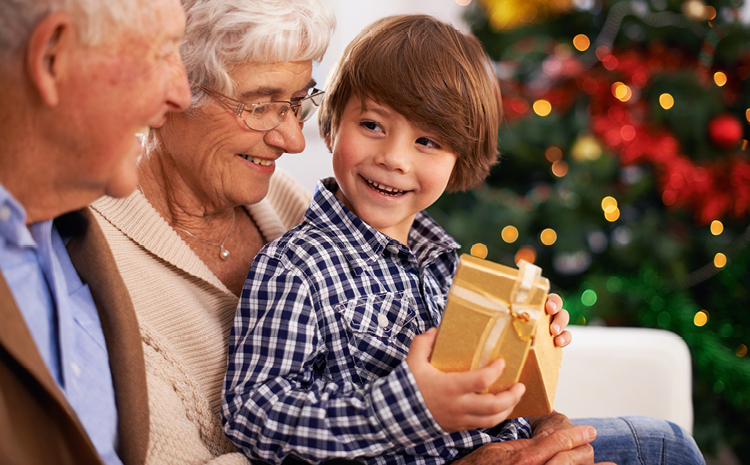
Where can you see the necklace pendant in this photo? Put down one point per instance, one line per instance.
(224, 253)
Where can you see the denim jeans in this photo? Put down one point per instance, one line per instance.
(642, 441)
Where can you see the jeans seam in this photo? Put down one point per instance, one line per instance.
(637, 441)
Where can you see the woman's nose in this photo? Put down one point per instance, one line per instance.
(287, 135)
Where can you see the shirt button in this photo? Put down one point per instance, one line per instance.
(76, 369)
(382, 320)
(392, 248)
(4, 213)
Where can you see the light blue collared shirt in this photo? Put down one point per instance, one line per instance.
(61, 316)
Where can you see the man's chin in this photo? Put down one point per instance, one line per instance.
(123, 185)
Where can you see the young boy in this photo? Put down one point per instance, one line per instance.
(320, 364)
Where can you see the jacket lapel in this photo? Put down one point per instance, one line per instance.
(17, 340)
(34, 389)
(92, 258)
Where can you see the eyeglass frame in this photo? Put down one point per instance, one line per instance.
(241, 106)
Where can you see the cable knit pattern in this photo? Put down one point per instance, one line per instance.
(185, 314)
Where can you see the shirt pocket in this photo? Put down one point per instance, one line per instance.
(379, 329)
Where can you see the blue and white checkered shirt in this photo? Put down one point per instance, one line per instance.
(316, 355)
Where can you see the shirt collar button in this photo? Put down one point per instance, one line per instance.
(4, 213)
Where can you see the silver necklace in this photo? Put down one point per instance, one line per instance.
(223, 253)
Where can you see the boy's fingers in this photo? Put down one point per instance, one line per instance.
(421, 346)
(559, 322)
(554, 304)
(481, 379)
(485, 421)
(485, 404)
(563, 339)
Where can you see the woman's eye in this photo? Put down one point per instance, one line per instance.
(428, 143)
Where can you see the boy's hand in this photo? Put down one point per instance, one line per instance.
(456, 400)
(560, 319)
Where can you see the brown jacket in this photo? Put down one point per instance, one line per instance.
(37, 425)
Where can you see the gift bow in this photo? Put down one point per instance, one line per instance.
(523, 315)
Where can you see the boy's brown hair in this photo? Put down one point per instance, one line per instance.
(435, 76)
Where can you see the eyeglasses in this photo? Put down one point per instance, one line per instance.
(265, 116)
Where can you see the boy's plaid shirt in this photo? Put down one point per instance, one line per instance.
(322, 328)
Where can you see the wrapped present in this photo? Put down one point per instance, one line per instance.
(497, 311)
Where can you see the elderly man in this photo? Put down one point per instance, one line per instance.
(78, 80)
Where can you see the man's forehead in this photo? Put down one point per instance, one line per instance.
(160, 20)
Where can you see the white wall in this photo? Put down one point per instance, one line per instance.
(352, 16)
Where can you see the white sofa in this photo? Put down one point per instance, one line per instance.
(610, 371)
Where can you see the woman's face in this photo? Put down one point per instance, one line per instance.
(217, 158)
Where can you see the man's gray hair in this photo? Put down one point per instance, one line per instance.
(223, 34)
(93, 19)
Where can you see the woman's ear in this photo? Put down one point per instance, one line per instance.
(50, 49)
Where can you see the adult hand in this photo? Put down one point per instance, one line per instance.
(548, 423)
(456, 400)
(543, 425)
(560, 319)
(569, 446)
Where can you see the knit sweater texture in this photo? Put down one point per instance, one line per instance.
(185, 314)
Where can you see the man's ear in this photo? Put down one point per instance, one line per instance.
(49, 51)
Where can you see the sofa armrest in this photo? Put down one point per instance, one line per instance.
(613, 371)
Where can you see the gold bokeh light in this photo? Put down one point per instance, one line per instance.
(509, 234)
(581, 42)
(548, 236)
(542, 107)
(666, 101)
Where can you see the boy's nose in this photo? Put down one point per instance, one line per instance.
(395, 157)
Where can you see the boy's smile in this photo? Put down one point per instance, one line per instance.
(388, 169)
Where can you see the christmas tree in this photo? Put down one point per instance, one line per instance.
(625, 174)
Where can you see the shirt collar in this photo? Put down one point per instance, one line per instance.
(13, 228)
(361, 242)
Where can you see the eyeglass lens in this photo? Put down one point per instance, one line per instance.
(267, 116)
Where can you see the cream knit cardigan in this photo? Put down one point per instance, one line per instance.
(185, 315)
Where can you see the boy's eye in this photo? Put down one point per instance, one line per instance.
(428, 142)
(371, 125)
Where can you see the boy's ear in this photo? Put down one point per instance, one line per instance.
(329, 144)
(50, 47)
(330, 139)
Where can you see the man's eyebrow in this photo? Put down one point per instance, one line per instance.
(266, 91)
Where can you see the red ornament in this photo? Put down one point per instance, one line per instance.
(725, 131)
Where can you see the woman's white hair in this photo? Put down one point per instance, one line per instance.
(222, 34)
(94, 19)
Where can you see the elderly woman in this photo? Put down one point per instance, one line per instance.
(184, 241)
(207, 203)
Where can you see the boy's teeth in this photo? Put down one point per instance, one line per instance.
(257, 161)
(388, 189)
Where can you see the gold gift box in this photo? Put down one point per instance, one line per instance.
(497, 311)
